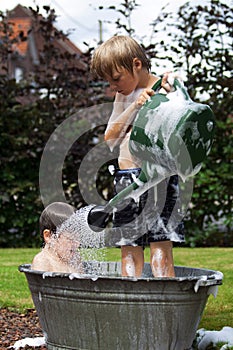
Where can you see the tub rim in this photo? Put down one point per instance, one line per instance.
(207, 278)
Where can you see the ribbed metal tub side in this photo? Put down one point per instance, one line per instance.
(115, 313)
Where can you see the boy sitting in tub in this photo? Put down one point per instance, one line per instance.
(60, 250)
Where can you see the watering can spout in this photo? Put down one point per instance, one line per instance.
(98, 218)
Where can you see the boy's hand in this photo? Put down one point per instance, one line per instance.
(144, 96)
(168, 81)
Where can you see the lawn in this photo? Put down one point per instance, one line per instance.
(14, 292)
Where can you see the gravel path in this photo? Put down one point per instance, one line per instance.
(16, 326)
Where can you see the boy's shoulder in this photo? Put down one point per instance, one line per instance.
(41, 261)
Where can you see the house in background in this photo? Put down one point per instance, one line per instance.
(24, 55)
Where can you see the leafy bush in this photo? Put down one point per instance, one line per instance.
(199, 41)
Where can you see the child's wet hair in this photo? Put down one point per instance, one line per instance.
(54, 215)
(115, 53)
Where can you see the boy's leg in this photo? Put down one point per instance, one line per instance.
(132, 261)
(161, 259)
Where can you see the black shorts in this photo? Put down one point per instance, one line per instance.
(157, 213)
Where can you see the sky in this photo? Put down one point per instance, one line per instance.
(81, 17)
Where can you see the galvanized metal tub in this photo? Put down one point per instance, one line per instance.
(110, 312)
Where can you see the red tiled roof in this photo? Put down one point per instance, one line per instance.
(21, 25)
(22, 20)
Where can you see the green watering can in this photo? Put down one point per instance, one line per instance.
(171, 134)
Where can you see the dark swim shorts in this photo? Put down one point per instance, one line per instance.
(156, 213)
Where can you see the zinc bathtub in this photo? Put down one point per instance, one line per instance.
(110, 312)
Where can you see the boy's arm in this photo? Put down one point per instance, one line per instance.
(119, 121)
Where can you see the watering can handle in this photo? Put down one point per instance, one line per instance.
(177, 85)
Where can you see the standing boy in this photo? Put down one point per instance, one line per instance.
(122, 62)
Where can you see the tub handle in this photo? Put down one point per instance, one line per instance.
(210, 280)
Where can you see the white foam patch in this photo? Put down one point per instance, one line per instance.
(39, 341)
(47, 274)
(206, 338)
(130, 266)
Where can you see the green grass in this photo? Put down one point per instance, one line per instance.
(14, 292)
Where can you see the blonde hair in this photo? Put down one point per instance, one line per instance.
(116, 52)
